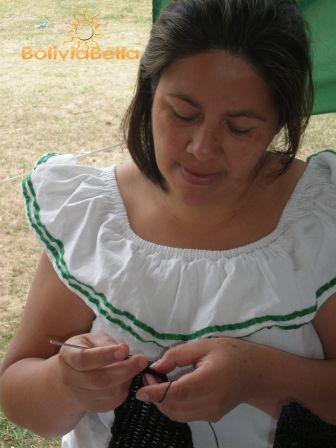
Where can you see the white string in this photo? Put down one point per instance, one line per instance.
(107, 148)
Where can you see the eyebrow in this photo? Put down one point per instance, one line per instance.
(238, 113)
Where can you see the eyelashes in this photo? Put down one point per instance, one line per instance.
(183, 118)
(240, 131)
(233, 130)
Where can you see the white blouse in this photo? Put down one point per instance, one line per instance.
(153, 297)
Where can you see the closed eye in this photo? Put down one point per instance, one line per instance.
(240, 131)
(234, 130)
(182, 117)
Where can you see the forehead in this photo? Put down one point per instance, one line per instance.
(216, 77)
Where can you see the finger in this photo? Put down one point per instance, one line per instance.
(180, 356)
(93, 358)
(108, 377)
(93, 339)
(184, 389)
(188, 412)
(149, 379)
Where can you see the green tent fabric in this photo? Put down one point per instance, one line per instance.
(157, 6)
(321, 16)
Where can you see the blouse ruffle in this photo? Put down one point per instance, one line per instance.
(166, 295)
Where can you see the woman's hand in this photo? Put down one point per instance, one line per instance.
(223, 378)
(99, 377)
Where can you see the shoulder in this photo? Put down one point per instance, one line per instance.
(313, 181)
(320, 184)
(314, 221)
(75, 213)
(59, 176)
(323, 164)
(129, 177)
(58, 193)
(138, 193)
(291, 176)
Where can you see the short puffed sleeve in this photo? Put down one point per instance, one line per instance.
(318, 226)
(69, 208)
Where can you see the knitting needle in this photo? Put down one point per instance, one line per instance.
(81, 347)
(146, 370)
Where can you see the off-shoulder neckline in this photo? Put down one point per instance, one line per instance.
(119, 209)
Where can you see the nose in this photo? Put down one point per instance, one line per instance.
(204, 144)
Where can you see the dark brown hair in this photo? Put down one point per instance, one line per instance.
(271, 35)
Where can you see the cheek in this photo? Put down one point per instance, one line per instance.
(258, 143)
(169, 138)
(264, 136)
(241, 155)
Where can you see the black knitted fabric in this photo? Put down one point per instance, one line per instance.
(298, 427)
(138, 424)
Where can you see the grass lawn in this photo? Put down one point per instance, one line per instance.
(66, 107)
(53, 106)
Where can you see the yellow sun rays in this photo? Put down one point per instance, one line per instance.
(85, 31)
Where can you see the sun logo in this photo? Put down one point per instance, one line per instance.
(84, 31)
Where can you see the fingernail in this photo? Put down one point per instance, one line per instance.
(120, 354)
(155, 364)
(143, 397)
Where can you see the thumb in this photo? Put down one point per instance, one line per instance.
(179, 356)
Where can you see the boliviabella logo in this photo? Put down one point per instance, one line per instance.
(82, 38)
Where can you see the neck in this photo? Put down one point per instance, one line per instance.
(195, 215)
(201, 212)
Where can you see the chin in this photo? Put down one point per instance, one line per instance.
(191, 195)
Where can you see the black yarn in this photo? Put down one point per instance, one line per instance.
(139, 424)
(298, 427)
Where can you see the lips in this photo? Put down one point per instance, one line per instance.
(198, 173)
(196, 178)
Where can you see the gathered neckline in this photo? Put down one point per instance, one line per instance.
(191, 253)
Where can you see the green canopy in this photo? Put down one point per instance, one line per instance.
(321, 16)
(157, 6)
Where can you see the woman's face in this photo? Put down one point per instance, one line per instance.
(212, 113)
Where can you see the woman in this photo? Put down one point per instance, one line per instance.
(208, 249)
